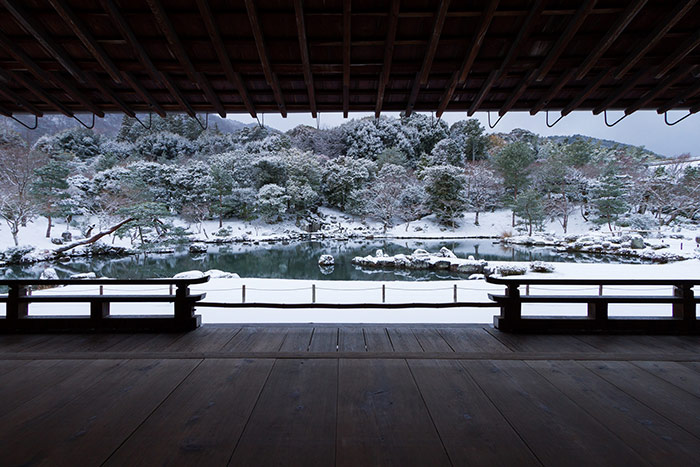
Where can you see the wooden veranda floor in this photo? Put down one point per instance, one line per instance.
(349, 395)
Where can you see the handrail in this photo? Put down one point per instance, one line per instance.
(561, 281)
(155, 281)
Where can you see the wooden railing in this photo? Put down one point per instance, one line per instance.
(682, 300)
(19, 297)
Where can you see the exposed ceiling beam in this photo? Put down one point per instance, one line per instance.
(511, 55)
(680, 53)
(270, 76)
(231, 74)
(347, 37)
(35, 89)
(422, 75)
(175, 92)
(166, 26)
(680, 98)
(33, 27)
(388, 55)
(664, 25)
(459, 77)
(20, 101)
(39, 73)
(304, 50)
(626, 86)
(86, 37)
(110, 95)
(143, 93)
(659, 88)
(610, 37)
(564, 38)
(519, 90)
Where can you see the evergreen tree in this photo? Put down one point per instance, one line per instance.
(471, 139)
(513, 163)
(608, 198)
(529, 207)
(50, 190)
(445, 185)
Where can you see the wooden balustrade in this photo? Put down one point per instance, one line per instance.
(683, 303)
(19, 319)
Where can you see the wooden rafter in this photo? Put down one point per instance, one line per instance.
(659, 88)
(511, 55)
(347, 37)
(596, 52)
(680, 98)
(86, 37)
(20, 101)
(683, 51)
(54, 77)
(270, 76)
(176, 93)
(665, 25)
(231, 74)
(111, 95)
(167, 28)
(626, 86)
(460, 76)
(304, 50)
(143, 93)
(388, 55)
(518, 92)
(422, 75)
(35, 89)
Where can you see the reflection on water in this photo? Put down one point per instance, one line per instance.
(298, 260)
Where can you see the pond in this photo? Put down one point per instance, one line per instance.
(298, 260)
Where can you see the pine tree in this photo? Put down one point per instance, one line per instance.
(445, 185)
(608, 197)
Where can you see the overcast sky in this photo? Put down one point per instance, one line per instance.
(644, 128)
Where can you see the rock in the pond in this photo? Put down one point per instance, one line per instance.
(326, 260)
(84, 275)
(419, 253)
(217, 274)
(380, 254)
(57, 241)
(636, 242)
(189, 275)
(49, 274)
(67, 237)
(541, 266)
(446, 253)
(472, 266)
(198, 248)
(511, 270)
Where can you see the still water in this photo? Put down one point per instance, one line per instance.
(298, 260)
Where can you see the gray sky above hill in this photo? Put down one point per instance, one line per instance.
(644, 128)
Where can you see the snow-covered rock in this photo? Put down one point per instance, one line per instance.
(197, 248)
(218, 274)
(636, 242)
(49, 274)
(511, 270)
(84, 275)
(189, 275)
(446, 253)
(420, 253)
(327, 260)
(541, 266)
(477, 277)
(57, 241)
(67, 237)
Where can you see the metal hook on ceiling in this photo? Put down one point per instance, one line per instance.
(206, 121)
(150, 121)
(610, 125)
(555, 122)
(83, 124)
(36, 122)
(488, 113)
(677, 121)
(261, 125)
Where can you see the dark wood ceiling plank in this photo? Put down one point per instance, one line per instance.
(615, 95)
(231, 74)
(347, 37)
(388, 55)
(167, 28)
(518, 92)
(680, 98)
(304, 50)
(81, 30)
(664, 25)
(683, 51)
(20, 101)
(459, 77)
(35, 89)
(175, 92)
(270, 76)
(143, 93)
(422, 75)
(659, 88)
(110, 95)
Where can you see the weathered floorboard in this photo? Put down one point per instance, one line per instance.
(351, 339)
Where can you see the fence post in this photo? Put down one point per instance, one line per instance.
(527, 289)
(454, 293)
(685, 310)
(383, 293)
(243, 293)
(170, 289)
(102, 290)
(600, 290)
(313, 293)
(16, 309)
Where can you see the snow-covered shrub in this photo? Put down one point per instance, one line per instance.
(224, 232)
(198, 248)
(541, 266)
(640, 222)
(326, 260)
(511, 270)
(17, 254)
(272, 202)
(163, 146)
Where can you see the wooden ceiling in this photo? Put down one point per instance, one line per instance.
(252, 56)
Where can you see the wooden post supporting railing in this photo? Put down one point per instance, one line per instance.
(17, 309)
(685, 309)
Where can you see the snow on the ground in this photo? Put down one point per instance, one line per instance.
(299, 291)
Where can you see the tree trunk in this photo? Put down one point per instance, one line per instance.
(95, 237)
(512, 222)
(476, 218)
(48, 229)
(15, 231)
(221, 211)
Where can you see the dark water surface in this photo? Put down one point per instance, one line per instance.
(298, 260)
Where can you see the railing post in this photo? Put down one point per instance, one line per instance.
(243, 293)
(598, 311)
(16, 309)
(313, 293)
(511, 308)
(454, 293)
(383, 293)
(99, 308)
(684, 310)
(184, 308)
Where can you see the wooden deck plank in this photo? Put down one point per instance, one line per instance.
(657, 440)
(430, 340)
(256, 339)
(21, 342)
(377, 339)
(297, 340)
(203, 339)
(555, 429)
(675, 373)
(7, 366)
(471, 428)
(403, 339)
(324, 339)
(632, 343)
(471, 339)
(202, 420)
(294, 420)
(542, 342)
(382, 419)
(351, 339)
(88, 428)
(676, 404)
